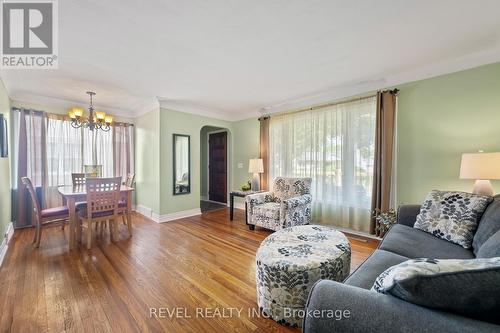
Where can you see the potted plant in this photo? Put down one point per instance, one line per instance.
(246, 186)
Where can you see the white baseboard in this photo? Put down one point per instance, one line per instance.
(4, 245)
(179, 215)
(143, 210)
(155, 217)
(354, 232)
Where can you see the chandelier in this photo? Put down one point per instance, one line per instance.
(95, 120)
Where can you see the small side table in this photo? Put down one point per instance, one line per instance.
(241, 194)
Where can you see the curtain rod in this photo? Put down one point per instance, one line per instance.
(322, 106)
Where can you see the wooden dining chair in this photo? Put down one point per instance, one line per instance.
(79, 179)
(103, 195)
(59, 215)
(122, 205)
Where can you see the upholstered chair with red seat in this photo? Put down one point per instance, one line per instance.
(52, 215)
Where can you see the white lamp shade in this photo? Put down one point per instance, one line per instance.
(256, 165)
(484, 166)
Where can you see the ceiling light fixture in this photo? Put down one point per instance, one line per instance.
(96, 119)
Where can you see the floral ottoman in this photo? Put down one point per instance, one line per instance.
(290, 261)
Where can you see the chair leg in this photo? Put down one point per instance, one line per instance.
(123, 219)
(89, 235)
(79, 227)
(38, 236)
(35, 234)
(111, 235)
(114, 226)
(129, 224)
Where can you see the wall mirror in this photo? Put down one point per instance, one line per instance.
(182, 164)
(4, 144)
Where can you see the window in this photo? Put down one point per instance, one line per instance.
(335, 147)
(47, 149)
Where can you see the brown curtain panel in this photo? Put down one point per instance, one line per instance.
(30, 155)
(264, 151)
(123, 149)
(384, 146)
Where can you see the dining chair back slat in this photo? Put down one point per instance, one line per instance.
(36, 205)
(103, 195)
(78, 179)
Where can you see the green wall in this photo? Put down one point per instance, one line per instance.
(438, 120)
(247, 146)
(184, 123)
(147, 160)
(5, 204)
(243, 144)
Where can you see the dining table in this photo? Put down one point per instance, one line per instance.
(74, 194)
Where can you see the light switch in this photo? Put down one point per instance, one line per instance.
(240, 165)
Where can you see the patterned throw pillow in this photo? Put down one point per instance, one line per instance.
(286, 188)
(470, 287)
(452, 216)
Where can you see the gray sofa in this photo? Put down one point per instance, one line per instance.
(370, 311)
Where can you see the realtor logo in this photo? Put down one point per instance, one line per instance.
(29, 34)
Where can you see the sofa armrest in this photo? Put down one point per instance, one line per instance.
(296, 202)
(360, 310)
(253, 200)
(407, 214)
(296, 211)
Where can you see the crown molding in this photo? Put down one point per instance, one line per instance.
(484, 57)
(148, 107)
(189, 107)
(64, 104)
(473, 60)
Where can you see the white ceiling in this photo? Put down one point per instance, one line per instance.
(230, 59)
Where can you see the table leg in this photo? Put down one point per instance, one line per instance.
(72, 223)
(129, 212)
(231, 206)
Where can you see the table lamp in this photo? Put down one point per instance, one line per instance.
(256, 166)
(481, 167)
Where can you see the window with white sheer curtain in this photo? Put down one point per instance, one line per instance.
(334, 146)
(98, 150)
(47, 149)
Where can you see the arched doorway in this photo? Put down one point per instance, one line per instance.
(214, 168)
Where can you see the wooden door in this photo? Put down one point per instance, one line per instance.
(217, 167)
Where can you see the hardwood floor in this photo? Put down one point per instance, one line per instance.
(203, 261)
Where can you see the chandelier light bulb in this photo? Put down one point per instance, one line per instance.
(98, 120)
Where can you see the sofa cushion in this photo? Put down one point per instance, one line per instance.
(488, 226)
(469, 287)
(61, 211)
(269, 210)
(379, 261)
(490, 248)
(414, 243)
(286, 188)
(453, 216)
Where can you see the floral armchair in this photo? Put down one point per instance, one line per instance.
(288, 205)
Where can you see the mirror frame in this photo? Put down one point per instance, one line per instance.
(174, 137)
